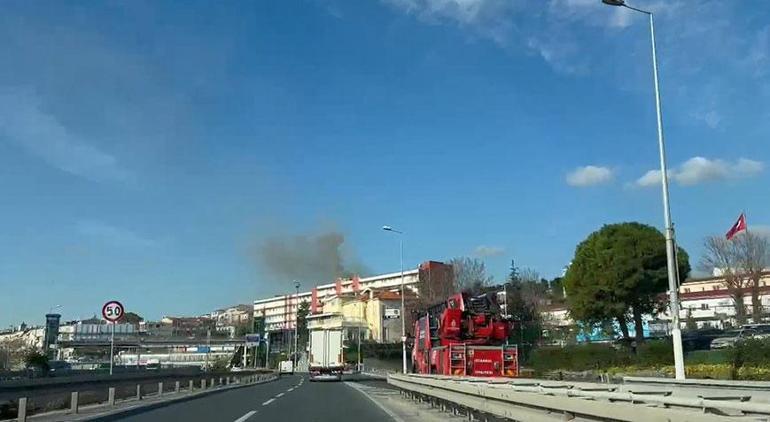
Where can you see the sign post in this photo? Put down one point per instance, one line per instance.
(112, 311)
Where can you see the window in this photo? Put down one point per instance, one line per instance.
(704, 306)
(715, 287)
(687, 290)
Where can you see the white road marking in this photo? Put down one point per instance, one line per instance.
(268, 402)
(290, 390)
(246, 416)
(279, 395)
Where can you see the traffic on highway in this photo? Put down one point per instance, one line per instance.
(384, 210)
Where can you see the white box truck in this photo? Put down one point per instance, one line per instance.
(286, 367)
(326, 355)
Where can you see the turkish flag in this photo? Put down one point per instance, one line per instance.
(738, 227)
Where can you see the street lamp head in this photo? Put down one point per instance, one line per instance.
(296, 284)
(387, 228)
(614, 2)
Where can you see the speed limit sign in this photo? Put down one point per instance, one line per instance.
(112, 311)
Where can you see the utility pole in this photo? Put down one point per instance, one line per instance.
(673, 282)
(296, 325)
(208, 347)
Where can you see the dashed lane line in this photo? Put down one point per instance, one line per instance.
(279, 395)
(268, 402)
(246, 416)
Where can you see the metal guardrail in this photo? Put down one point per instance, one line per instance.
(700, 383)
(108, 396)
(530, 400)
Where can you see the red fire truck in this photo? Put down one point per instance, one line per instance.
(464, 336)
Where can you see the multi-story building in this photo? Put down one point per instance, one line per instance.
(280, 311)
(707, 302)
(189, 326)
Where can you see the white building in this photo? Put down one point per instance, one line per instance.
(708, 303)
(705, 301)
(280, 311)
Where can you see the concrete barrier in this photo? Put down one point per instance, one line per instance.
(111, 401)
(74, 402)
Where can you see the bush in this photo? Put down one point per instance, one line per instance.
(754, 373)
(654, 353)
(750, 352)
(583, 357)
(578, 358)
(700, 357)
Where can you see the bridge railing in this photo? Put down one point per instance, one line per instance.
(71, 398)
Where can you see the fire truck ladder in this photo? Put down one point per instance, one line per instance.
(458, 363)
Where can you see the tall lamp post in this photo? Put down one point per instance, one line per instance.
(673, 284)
(296, 324)
(403, 316)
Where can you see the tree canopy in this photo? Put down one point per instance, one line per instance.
(470, 274)
(619, 272)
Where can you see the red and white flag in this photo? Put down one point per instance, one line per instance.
(738, 227)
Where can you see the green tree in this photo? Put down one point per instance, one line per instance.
(619, 272)
(524, 300)
(302, 312)
(690, 323)
(35, 359)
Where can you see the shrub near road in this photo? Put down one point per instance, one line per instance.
(748, 360)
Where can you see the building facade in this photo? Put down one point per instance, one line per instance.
(280, 312)
(704, 303)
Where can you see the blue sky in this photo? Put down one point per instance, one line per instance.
(147, 149)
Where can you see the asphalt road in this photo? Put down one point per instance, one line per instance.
(291, 398)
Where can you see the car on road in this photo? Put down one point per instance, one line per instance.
(747, 331)
(728, 340)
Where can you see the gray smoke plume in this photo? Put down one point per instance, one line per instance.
(311, 259)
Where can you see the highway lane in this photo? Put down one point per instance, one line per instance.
(288, 399)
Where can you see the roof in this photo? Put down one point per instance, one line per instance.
(715, 278)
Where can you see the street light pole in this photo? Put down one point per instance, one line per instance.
(296, 325)
(673, 284)
(403, 316)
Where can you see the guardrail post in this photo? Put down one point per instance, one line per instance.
(22, 412)
(220, 380)
(160, 388)
(111, 396)
(74, 402)
(138, 391)
(227, 380)
(212, 382)
(176, 387)
(203, 384)
(191, 386)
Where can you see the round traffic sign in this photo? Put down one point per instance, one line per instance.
(112, 311)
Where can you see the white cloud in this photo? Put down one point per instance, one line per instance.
(711, 118)
(651, 178)
(747, 167)
(699, 170)
(488, 251)
(25, 123)
(487, 18)
(589, 176)
(115, 236)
